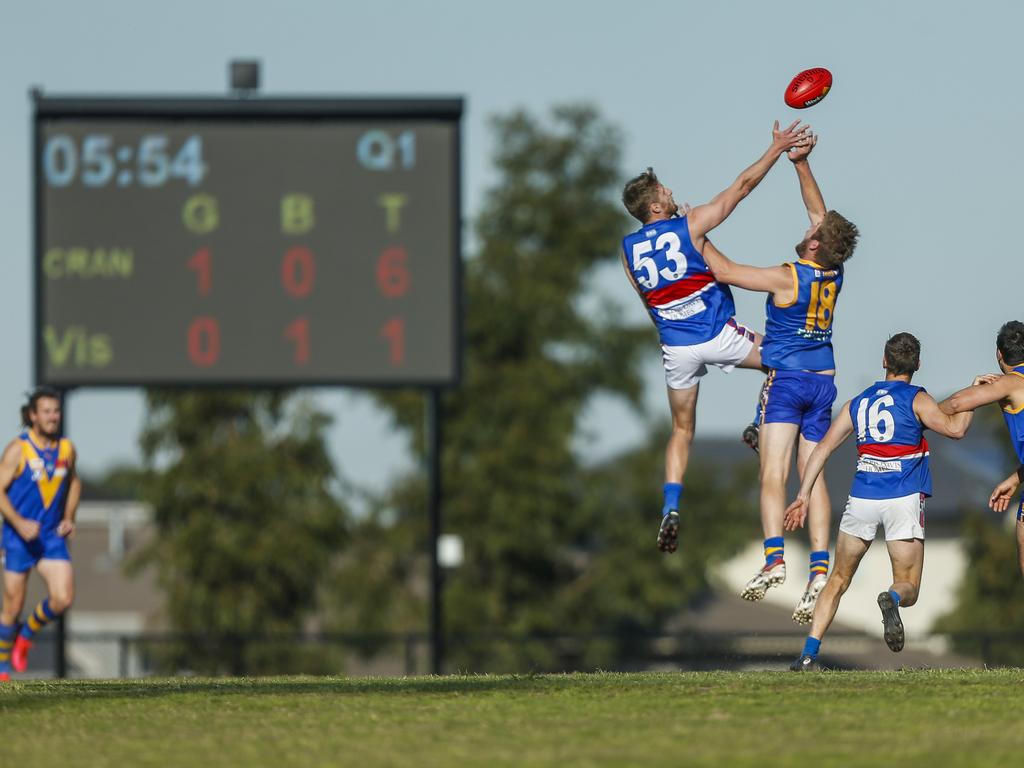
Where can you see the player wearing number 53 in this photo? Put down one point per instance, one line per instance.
(795, 407)
(39, 492)
(693, 313)
(889, 489)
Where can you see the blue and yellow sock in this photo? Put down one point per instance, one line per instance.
(819, 563)
(895, 597)
(774, 549)
(672, 492)
(40, 617)
(811, 647)
(7, 632)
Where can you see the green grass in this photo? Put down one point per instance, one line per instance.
(934, 718)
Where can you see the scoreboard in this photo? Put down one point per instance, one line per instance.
(247, 242)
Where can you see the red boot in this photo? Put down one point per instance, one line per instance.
(19, 654)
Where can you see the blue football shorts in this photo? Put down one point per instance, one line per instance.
(21, 556)
(799, 397)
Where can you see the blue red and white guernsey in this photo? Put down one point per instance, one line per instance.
(40, 485)
(1015, 420)
(686, 303)
(892, 459)
(798, 335)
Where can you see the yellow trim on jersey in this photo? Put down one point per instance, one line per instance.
(825, 271)
(1010, 409)
(796, 287)
(48, 486)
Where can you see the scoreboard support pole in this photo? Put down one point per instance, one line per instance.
(60, 652)
(433, 456)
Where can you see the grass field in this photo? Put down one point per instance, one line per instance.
(934, 718)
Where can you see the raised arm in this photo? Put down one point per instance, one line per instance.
(988, 388)
(9, 463)
(779, 279)
(704, 218)
(842, 428)
(809, 191)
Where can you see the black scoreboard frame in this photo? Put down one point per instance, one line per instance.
(241, 110)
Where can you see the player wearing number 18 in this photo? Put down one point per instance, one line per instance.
(693, 314)
(892, 481)
(795, 407)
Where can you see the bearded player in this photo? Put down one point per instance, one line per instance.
(799, 392)
(892, 482)
(693, 313)
(39, 492)
(1007, 390)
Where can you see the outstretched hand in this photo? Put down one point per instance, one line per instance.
(796, 514)
(1001, 497)
(801, 152)
(795, 135)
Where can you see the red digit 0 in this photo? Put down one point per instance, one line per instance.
(393, 273)
(204, 341)
(394, 331)
(200, 264)
(298, 332)
(298, 271)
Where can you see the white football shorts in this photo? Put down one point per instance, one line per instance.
(901, 518)
(684, 366)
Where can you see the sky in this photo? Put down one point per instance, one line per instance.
(919, 146)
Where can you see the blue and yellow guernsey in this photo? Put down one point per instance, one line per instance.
(798, 335)
(40, 485)
(1015, 420)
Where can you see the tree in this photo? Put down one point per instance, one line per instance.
(553, 544)
(247, 525)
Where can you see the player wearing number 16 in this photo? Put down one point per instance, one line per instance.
(693, 314)
(892, 481)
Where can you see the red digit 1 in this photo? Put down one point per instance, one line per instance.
(298, 271)
(394, 331)
(393, 273)
(298, 331)
(200, 263)
(204, 341)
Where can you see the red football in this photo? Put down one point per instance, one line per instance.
(808, 88)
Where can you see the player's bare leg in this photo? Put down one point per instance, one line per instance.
(14, 600)
(850, 550)
(683, 404)
(819, 518)
(907, 556)
(751, 432)
(14, 596)
(59, 579)
(777, 441)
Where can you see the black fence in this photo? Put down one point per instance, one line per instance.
(112, 655)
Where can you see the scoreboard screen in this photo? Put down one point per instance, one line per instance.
(247, 242)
